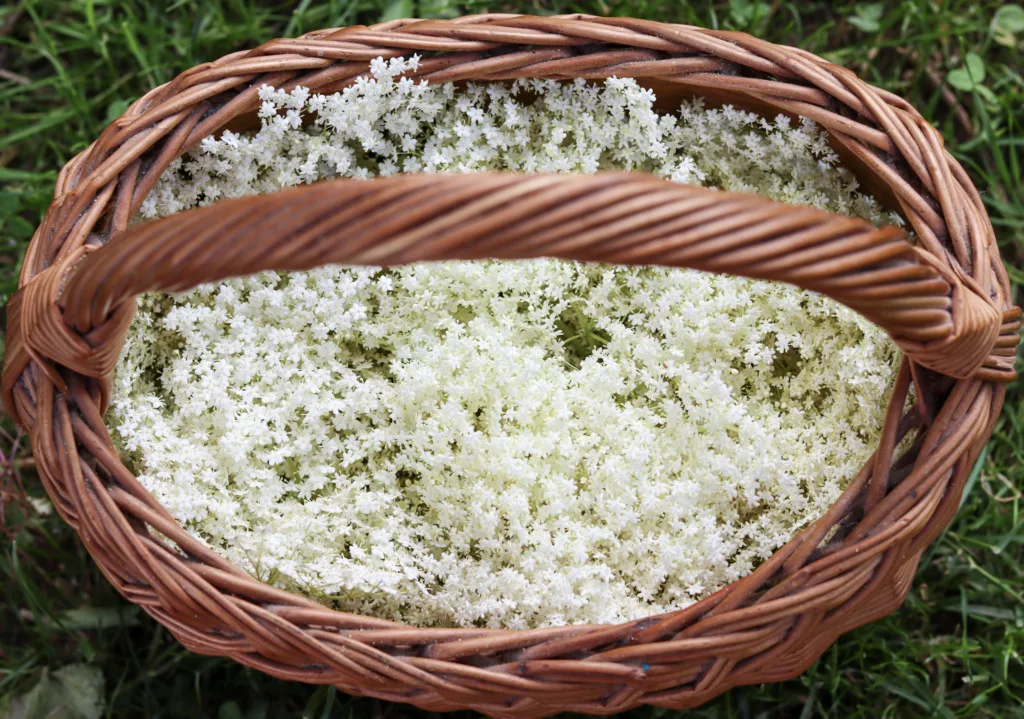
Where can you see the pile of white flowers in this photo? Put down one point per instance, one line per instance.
(509, 444)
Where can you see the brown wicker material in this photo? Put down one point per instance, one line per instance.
(946, 301)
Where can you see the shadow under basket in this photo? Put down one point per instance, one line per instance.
(946, 301)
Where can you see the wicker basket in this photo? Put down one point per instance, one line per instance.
(946, 301)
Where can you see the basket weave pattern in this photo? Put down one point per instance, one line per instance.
(946, 302)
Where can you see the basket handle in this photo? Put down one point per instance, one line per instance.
(937, 316)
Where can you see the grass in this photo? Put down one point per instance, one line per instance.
(67, 67)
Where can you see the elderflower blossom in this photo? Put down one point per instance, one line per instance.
(504, 444)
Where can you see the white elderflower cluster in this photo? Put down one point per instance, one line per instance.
(504, 444)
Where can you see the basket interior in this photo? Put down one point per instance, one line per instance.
(669, 95)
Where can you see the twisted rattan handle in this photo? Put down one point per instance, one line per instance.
(939, 319)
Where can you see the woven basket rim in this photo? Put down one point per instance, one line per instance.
(84, 266)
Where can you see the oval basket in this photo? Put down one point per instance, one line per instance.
(945, 300)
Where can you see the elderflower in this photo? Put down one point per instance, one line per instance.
(503, 444)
